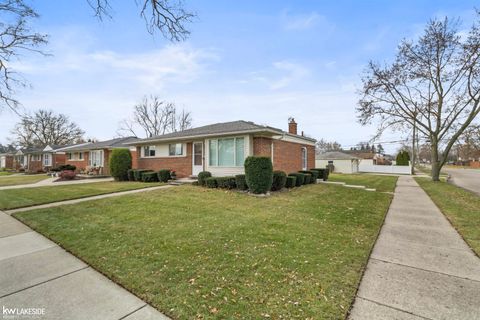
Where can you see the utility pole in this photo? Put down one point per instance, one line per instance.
(413, 141)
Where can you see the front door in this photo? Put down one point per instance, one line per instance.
(197, 163)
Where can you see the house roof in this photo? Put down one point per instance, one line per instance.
(223, 128)
(107, 144)
(334, 155)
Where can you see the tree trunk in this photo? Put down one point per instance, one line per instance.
(435, 164)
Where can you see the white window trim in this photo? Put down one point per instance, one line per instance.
(152, 147)
(234, 152)
(47, 156)
(304, 149)
(175, 155)
(90, 158)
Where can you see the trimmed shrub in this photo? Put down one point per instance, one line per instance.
(66, 167)
(321, 173)
(226, 182)
(149, 177)
(300, 178)
(258, 174)
(308, 178)
(131, 174)
(241, 182)
(67, 175)
(138, 174)
(202, 176)
(279, 180)
(211, 182)
(327, 173)
(120, 162)
(313, 175)
(164, 175)
(290, 181)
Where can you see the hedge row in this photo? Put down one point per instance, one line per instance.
(280, 180)
(146, 175)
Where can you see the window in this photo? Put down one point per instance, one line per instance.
(69, 156)
(80, 156)
(96, 158)
(149, 151)
(304, 158)
(175, 149)
(47, 160)
(36, 157)
(228, 152)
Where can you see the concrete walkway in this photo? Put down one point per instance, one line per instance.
(73, 201)
(37, 273)
(50, 182)
(420, 267)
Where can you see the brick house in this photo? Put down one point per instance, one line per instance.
(95, 156)
(39, 159)
(221, 148)
(6, 160)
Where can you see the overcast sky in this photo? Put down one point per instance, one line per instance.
(262, 61)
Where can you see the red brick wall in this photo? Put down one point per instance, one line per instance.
(34, 166)
(58, 160)
(8, 162)
(287, 156)
(182, 165)
(134, 159)
(80, 164)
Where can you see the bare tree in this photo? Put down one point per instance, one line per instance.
(155, 117)
(16, 37)
(167, 16)
(45, 127)
(468, 146)
(323, 145)
(432, 86)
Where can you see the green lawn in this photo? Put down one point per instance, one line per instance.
(22, 179)
(16, 198)
(379, 182)
(5, 173)
(461, 207)
(213, 254)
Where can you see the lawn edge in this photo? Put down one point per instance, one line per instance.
(370, 253)
(82, 197)
(446, 216)
(88, 264)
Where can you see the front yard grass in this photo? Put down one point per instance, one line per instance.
(382, 183)
(197, 253)
(5, 173)
(461, 207)
(22, 179)
(17, 198)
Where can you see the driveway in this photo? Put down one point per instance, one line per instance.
(465, 178)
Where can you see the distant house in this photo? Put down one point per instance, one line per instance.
(222, 148)
(39, 159)
(95, 156)
(342, 162)
(6, 160)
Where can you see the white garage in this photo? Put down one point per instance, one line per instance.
(342, 162)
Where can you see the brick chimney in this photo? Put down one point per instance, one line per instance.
(292, 126)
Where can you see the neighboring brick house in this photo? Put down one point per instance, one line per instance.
(95, 156)
(6, 160)
(39, 159)
(221, 148)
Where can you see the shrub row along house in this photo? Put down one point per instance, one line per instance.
(222, 148)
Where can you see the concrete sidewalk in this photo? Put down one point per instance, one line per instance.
(37, 273)
(420, 267)
(50, 182)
